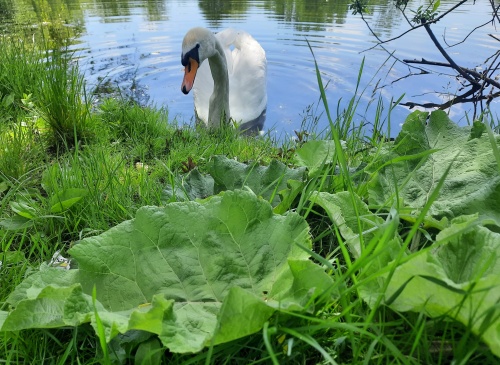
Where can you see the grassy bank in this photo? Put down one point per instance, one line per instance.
(379, 271)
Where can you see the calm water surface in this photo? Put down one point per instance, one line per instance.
(136, 45)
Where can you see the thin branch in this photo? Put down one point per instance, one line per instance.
(493, 69)
(494, 37)
(468, 35)
(494, 56)
(473, 73)
(471, 80)
(413, 27)
(495, 14)
(457, 100)
(447, 56)
(381, 44)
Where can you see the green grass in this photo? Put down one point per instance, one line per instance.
(121, 156)
(20, 74)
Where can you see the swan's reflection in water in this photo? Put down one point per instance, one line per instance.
(254, 127)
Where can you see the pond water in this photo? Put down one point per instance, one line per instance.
(136, 46)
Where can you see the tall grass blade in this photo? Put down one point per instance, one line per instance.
(100, 330)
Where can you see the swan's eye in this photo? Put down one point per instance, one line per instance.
(192, 54)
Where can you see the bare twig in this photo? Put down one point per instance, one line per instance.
(447, 56)
(494, 37)
(457, 100)
(473, 83)
(413, 27)
(391, 54)
(473, 73)
(495, 11)
(467, 36)
(403, 77)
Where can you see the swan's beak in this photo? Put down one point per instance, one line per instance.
(189, 75)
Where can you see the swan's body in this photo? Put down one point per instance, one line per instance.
(232, 84)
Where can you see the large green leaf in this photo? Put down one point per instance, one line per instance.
(16, 223)
(423, 151)
(265, 181)
(171, 270)
(227, 174)
(459, 277)
(190, 186)
(356, 223)
(24, 209)
(315, 155)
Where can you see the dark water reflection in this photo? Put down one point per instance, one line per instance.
(135, 45)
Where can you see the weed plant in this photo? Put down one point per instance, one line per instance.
(21, 68)
(62, 102)
(110, 161)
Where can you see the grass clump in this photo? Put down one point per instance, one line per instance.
(22, 150)
(62, 104)
(45, 89)
(21, 68)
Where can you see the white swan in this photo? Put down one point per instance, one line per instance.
(233, 81)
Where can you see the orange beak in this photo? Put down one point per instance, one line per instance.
(189, 76)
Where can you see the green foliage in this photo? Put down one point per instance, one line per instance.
(22, 150)
(405, 176)
(87, 191)
(243, 266)
(459, 277)
(144, 130)
(263, 181)
(349, 249)
(191, 186)
(359, 7)
(426, 14)
(269, 182)
(377, 259)
(62, 102)
(21, 69)
(43, 90)
(477, 130)
(315, 155)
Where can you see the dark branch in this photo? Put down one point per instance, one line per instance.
(391, 54)
(474, 84)
(447, 56)
(495, 11)
(380, 42)
(494, 37)
(473, 73)
(464, 98)
(468, 35)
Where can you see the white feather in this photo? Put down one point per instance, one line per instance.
(247, 71)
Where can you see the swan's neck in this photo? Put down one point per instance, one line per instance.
(218, 111)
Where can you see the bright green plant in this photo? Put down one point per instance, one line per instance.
(21, 71)
(406, 175)
(21, 151)
(144, 129)
(329, 255)
(62, 102)
(228, 174)
(142, 281)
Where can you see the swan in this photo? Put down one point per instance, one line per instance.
(232, 84)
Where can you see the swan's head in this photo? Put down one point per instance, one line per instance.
(197, 46)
